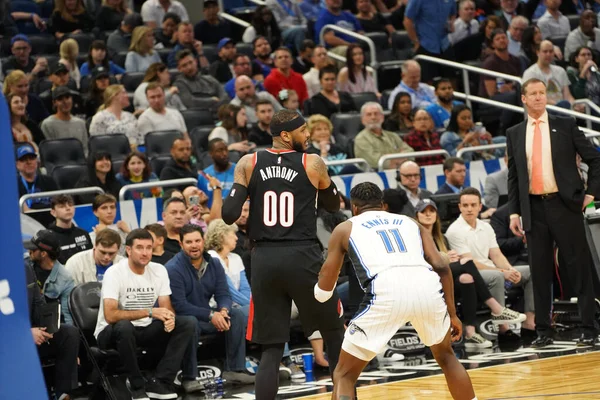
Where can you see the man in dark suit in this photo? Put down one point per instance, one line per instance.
(455, 172)
(409, 180)
(513, 247)
(512, 8)
(546, 191)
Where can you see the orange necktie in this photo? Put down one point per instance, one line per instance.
(537, 175)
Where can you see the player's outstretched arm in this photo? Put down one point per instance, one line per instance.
(232, 206)
(338, 247)
(318, 174)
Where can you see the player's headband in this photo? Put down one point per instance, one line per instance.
(288, 126)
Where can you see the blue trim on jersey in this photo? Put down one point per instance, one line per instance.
(360, 258)
(372, 292)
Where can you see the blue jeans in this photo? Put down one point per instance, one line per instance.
(235, 345)
(294, 37)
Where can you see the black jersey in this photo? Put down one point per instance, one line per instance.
(283, 200)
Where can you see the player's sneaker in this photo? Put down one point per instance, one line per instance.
(508, 316)
(477, 342)
(289, 366)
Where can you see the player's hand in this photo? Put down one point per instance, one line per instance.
(40, 335)
(163, 314)
(219, 322)
(516, 227)
(455, 328)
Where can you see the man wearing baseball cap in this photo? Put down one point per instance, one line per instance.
(62, 124)
(222, 68)
(59, 76)
(29, 180)
(21, 59)
(53, 279)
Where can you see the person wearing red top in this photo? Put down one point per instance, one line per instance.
(423, 138)
(283, 77)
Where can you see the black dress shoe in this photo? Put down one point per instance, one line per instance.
(508, 336)
(542, 341)
(528, 335)
(587, 339)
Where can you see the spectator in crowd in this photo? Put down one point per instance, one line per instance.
(530, 44)
(95, 96)
(21, 59)
(329, 100)
(69, 16)
(580, 71)
(423, 138)
(466, 24)
(198, 210)
(400, 119)
(180, 164)
(242, 245)
(468, 281)
(137, 169)
(372, 21)
(111, 14)
(283, 77)
(587, 34)
(212, 27)
(159, 117)
(159, 235)
(474, 239)
(409, 180)
(186, 41)
(261, 49)
(455, 172)
(8, 19)
(289, 100)
(195, 277)
(427, 25)
(120, 40)
(69, 50)
(71, 238)
(23, 129)
(373, 142)
(105, 209)
(441, 110)
(63, 124)
(166, 34)
(320, 129)
(246, 97)
(487, 27)
(311, 9)
(17, 83)
(461, 133)
(127, 320)
(513, 247)
(62, 345)
(511, 8)
(221, 169)
(554, 77)
(59, 76)
(158, 73)
(263, 25)
(113, 119)
(291, 22)
(232, 128)
(30, 180)
(243, 66)
(319, 60)
(356, 77)
(334, 15)
(260, 134)
(141, 54)
(99, 173)
(197, 90)
(97, 57)
(302, 63)
(174, 217)
(221, 69)
(496, 185)
(553, 23)
(91, 265)
(153, 11)
(515, 34)
(421, 95)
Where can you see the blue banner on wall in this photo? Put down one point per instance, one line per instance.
(20, 371)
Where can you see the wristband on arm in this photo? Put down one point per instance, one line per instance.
(330, 198)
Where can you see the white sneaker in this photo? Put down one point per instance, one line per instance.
(508, 316)
(477, 342)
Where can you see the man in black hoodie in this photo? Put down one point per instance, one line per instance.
(72, 239)
(180, 165)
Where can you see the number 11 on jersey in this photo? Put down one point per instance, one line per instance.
(387, 242)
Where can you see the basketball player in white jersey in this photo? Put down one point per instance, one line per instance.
(400, 269)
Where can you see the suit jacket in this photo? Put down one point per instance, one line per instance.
(496, 184)
(525, 9)
(510, 245)
(409, 209)
(567, 141)
(445, 189)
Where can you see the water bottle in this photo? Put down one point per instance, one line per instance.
(499, 83)
(479, 128)
(213, 388)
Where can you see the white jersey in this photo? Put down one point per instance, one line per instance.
(380, 240)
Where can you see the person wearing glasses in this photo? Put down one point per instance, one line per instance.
(409, 179)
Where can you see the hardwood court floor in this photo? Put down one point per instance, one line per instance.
(571, 377)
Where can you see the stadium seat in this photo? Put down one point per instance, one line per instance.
(382, 46)
(117, 145)
(57, 152)
(210, 52)
(362, 98)
(66, 176)
(119, 58)
(43, 44)
(158, 163)
(131, 80)
(559, 41)
(385, 97)
(159, 143)
(164, 53)
(389, 75)
(84, 40)
(574, 21)
(82, 58)
(199, 137)
(117, 164)
(402, 45)
(174, 74)
(245, 48)
(195, 118)
(346, 125)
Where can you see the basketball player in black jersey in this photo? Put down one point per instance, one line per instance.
(283, 184)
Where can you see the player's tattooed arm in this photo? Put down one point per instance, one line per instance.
(320, 170)
(239, 175)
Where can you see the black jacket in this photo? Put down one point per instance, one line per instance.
(510, 245)
(35, 299)
(220, 71)
(72, 241)
(112, 186)
(172, 170)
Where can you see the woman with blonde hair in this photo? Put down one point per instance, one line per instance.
(158, 72)
(111, 14)
(112, 118)
(321, 143)
(69, 49)
(69, 16)
(141, 55)
(17, 82)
